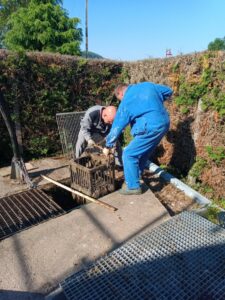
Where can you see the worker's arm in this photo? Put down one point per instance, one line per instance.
(165, 91)
(121, 120)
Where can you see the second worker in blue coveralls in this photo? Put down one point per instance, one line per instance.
(142, 107)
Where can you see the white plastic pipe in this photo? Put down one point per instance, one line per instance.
(179, 185)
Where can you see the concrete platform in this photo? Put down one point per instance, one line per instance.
(34, 261)
(55, 167)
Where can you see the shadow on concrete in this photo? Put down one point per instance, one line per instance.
(26, 273)
(86, 262)
(110, 236)
(36, 176)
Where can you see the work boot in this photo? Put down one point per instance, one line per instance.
(125, 191)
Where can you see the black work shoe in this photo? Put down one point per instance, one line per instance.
(126, 191)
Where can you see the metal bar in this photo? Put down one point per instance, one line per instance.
(2, 217)
(15, 200)
(9, 216)
(25, 207)
(40, 204)
(50, 201)
(31, 206)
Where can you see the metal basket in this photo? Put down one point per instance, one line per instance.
(93, 175)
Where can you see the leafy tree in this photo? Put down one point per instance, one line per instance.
(7, 7)
(217, 44)
(43, 25)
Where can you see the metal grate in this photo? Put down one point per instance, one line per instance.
(69, 127)
(181, 259)
(24, 210)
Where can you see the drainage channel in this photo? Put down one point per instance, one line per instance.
(26, 209)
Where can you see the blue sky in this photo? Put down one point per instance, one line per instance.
(139, 29)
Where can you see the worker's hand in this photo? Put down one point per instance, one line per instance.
(105, 151)
(91, 143)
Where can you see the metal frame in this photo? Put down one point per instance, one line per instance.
(69, 127)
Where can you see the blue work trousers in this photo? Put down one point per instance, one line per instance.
(136, 154)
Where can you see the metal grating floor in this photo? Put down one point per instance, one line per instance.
(25, 209)
(183, 258)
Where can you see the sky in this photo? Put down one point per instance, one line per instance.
(130, 30)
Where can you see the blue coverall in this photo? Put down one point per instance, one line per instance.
(141, 107)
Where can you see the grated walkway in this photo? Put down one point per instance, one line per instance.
(183, 258)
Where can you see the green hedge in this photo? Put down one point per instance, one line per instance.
(46, 84)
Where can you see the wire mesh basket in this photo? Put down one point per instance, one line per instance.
(93, 175)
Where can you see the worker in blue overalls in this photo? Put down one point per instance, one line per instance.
(142, 107)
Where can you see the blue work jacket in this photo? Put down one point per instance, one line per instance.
(141, 107)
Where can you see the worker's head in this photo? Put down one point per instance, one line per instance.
(108, 114)
(120, 91)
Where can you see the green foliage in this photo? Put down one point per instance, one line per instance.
(125, 76)
(43, 26)
(190, 93)
(39, 146)
(185, 110)
(198, 167)
(175, 67)
(212, 214)
(46, 84)
(215, 100)
(7, 7)
(216, 154)
(206, 189)
(221, 202)
(217, 44)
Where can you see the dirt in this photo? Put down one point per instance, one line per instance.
(173, 199)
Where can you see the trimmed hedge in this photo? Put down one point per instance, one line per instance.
(46, 84)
